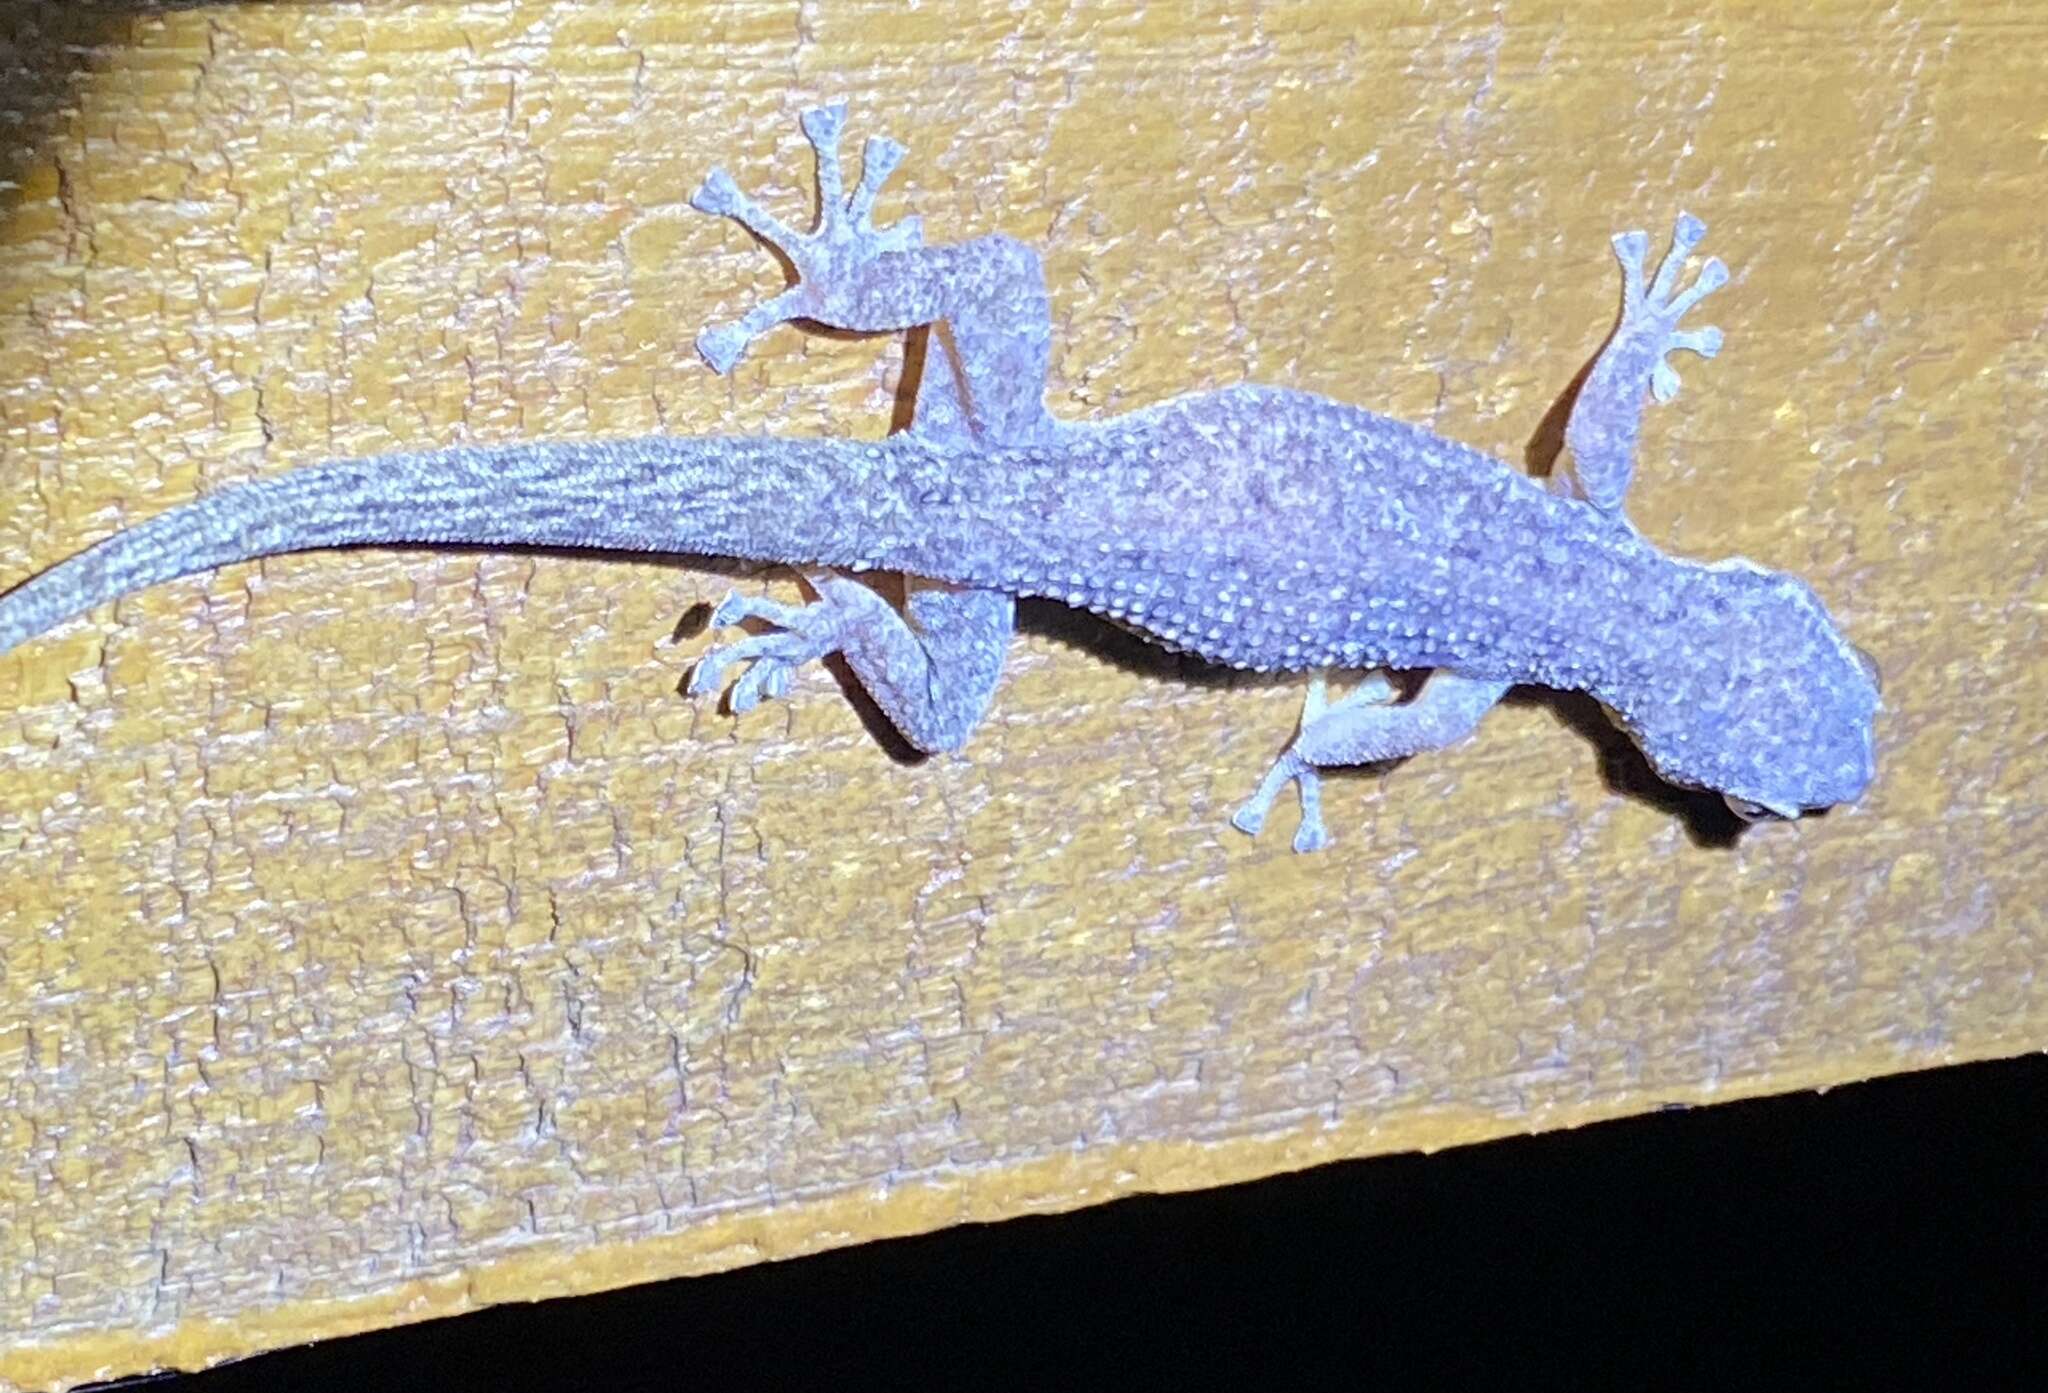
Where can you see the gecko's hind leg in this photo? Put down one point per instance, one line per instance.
(842, 239)
(931, 669)
(989, 292)
(1365, 728)
(1607, 417)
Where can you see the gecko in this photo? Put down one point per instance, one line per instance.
(1254, 527)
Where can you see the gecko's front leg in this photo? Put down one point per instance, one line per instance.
(1293, 768)
(1606, 419)
(1366, 727)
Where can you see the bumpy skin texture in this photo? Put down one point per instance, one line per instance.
(1253, 526)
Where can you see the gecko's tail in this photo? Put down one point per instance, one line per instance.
(195, 537)
(742, 498)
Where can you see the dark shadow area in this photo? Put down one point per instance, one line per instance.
(917, 349)
(49, 50)
(879, 727)
(1706, 816)
(1546, 446)
(1886, 1234)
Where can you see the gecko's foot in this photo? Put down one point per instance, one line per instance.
(843, 239)
(1291, 768)
(1653, 312)
(803, 634)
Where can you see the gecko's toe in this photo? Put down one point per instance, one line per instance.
(1713, 275)
(1663, 381)
(767, 680)
(747, 692)
(706, 675)
(1706, 342)
(709, 674)
(800, 635)
(1312, 835)
(718, 195)
(1316, 700)
(1632, 248)
(1290, 768)
(729, 611)
(878, 160)
(722, 346)
(1250, 819)
(822, 124)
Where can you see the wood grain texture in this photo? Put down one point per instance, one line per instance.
(382, 935)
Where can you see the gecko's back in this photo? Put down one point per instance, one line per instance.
(1273, 529)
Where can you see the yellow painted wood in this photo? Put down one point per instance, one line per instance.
(383, 935)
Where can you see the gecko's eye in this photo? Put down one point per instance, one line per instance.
(1755, 812)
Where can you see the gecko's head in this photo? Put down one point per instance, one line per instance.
(1766, 702)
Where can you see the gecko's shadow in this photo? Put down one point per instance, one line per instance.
(1544, 447)
(1706, 816)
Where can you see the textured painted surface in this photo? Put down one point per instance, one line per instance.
(382, 934)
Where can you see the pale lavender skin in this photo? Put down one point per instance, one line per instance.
(1256, 527)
